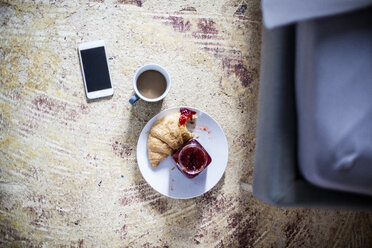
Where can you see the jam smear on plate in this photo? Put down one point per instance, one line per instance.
(192, 158)
(186, 114)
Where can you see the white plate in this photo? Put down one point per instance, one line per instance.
(166, 178)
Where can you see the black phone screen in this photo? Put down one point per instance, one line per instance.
(95, 69)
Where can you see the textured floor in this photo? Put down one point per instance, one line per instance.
(68, 171)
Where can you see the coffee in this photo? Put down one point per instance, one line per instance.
(151, 84)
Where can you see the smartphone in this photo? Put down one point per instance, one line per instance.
(94, 66)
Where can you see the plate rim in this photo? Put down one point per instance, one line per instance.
(157, 116)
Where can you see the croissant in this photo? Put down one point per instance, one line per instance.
(166, 136)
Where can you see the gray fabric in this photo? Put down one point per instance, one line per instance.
(276, 179)
(334, 99)
(282, 12)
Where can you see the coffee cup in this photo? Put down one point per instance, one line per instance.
(151, 83)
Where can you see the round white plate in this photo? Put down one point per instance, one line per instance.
(166, 178)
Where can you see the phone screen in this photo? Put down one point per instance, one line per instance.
(95, 69)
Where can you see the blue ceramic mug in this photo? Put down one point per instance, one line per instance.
(143, 69)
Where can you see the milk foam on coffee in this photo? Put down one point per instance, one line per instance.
(151, 84)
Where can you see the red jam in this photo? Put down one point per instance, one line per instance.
(186, 114)
(192, 158)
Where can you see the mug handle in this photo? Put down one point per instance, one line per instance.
(134, 99)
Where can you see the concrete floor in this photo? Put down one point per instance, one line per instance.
(68, 170)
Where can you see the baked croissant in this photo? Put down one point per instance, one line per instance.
(166, 136)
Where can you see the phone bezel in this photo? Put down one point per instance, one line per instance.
(98, 93)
